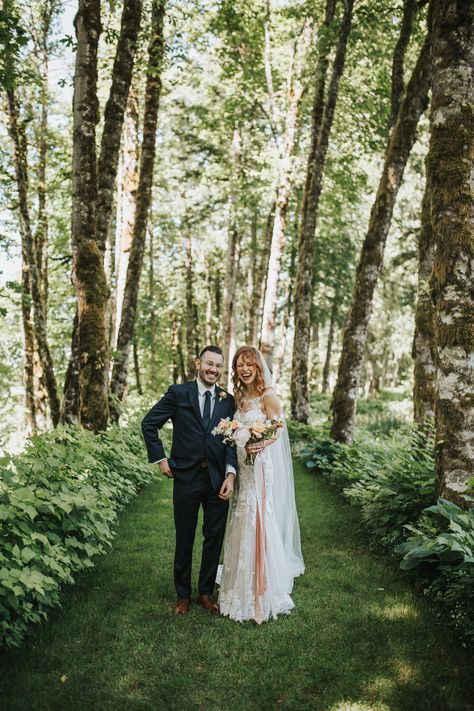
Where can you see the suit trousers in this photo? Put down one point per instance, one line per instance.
(187, 499)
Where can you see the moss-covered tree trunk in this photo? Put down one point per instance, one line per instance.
(114, 114)
(401, 140)
(322, 119)
(423, 340)
(88, 259)
(145, 182)
(450, 176)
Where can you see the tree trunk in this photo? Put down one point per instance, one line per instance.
(260, 281)
(127, 200)
(70, 408)
(229, 300)
(192, 327)
(147, 161)
(114, 114)
(295, 93)
(136, 367)
(153, 321)
(371, 258)
(88, 259)
(29, 346)
(230, 281)
(323, 115)
(20, 160)
(450, 179)
(281, 350)
(423, 341)
(409, 12)
(250, 322)
(327, 362)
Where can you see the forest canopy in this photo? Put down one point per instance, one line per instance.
(271, 172)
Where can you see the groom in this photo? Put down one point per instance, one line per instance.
(203, 470)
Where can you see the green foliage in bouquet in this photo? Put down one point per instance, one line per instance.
(59, 501)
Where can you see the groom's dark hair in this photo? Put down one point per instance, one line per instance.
(213, 349)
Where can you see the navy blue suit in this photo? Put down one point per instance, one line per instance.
(198, 461)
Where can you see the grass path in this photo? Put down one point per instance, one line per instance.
(357, 639)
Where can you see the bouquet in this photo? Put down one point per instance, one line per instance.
(235, 433)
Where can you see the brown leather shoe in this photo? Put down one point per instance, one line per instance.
(208, 604)
(181, 606)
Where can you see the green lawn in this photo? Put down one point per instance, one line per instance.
(356, 640)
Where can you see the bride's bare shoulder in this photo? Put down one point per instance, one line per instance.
(271, 403)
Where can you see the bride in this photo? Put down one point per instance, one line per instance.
(262, 551)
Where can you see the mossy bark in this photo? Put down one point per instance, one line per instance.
(423, 341)
(450, 173)
(114, 114)
(145, 183)
(323, 114)
(88, 259)
(400, 143)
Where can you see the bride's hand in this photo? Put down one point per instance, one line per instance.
(258, 446)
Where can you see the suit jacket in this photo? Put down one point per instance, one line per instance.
(192, 443)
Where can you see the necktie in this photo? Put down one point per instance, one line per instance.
(206, 415)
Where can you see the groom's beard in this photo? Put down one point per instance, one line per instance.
(208, 380)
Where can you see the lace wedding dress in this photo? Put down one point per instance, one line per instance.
(258, 569)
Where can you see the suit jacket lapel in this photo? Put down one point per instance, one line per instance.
(193, 396)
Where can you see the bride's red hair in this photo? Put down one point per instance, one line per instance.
(249, 355)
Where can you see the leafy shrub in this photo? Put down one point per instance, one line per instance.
(59, 501)
(395, 485)
(443, 555)
(392, 480)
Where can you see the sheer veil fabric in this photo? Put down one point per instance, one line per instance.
(284, 493)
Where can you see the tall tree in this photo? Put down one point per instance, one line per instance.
(401, 139)
(449, 163)
(145, 182)
(98, 185)
(423, 341)
(33, 280)
(88, 274)
(322, 119)
(232, 257)
(296, 85)
(114, 114)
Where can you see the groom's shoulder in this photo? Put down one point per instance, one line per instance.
(180, 388)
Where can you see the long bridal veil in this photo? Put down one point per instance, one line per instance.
(284, 494)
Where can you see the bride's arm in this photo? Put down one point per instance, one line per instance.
(271, 405)
(272, 409)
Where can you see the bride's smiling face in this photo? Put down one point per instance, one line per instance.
(246, 370)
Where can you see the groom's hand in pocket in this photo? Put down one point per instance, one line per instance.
(165, 468)
(227, 487)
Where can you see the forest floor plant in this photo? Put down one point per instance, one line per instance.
(392, 480)
(58, 509)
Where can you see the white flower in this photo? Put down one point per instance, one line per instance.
(242, 436)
